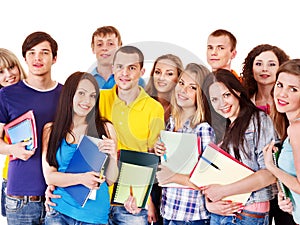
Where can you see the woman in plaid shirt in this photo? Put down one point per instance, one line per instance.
(188, 115)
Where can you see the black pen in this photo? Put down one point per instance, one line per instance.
(210, 163)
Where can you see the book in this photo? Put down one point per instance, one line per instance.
(22, 129)
(182, 153)
(281, 187)
(136, 177)
(86, 158)
(216, 166)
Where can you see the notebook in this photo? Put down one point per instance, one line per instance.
(182, 153)
(216, 166)
(138, 177)
(86, 158)
(136, 172)
(22, 129)
(281, 187)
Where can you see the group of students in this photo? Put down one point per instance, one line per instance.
(244, 115)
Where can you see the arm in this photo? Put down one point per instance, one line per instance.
(109, 146)
(17, 150)
(259, 179)
(224, 208)
(292, 182)
(53, 177)
(255, 181)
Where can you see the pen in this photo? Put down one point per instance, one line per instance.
(130, 190)
(210, 163)
(27, 139)
(101, 173)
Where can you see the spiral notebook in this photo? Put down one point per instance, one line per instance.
(136, 177)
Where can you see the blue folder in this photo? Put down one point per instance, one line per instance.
(86, 158)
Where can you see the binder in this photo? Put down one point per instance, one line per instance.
(216, 166)
(23, 128)
(136, 176)
(86, 158)
(182, 153)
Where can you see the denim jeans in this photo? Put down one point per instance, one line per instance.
(56, 218)
(240, 220)
(21, 212)
(3, 196)
(120, 216)
(176, 222)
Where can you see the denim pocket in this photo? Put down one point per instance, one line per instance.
(12, 204)
(52, 213)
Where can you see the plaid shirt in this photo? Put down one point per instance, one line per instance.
(186, 204)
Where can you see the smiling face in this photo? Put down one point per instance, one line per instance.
(264, 68)
(40, 59)
(127, 70)
(165, 76)
(287, 94)
(223, 101)
(186, 91)
(9, 76)
(84, 98)
(104, 48)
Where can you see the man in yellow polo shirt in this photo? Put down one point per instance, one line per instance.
(136, 116)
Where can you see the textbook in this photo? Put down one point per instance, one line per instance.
(182, 153)
(136, 177)
(22, 129)
(281, 187)
(86, 158)
(216, 166)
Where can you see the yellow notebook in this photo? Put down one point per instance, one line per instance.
(138, 177)
(216, 166)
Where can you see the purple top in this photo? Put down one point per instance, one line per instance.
(26, 177)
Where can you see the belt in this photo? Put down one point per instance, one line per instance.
(29, 198)
(257, 216)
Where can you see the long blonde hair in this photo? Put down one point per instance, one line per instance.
(202, 109)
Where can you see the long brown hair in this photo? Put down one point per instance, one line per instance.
(234, 132)
(63, 121)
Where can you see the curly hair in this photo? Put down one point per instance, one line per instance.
(247, 72)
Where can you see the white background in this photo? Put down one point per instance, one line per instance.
(183, 23)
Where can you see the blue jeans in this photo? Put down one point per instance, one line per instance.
(21, 212)
(120, 216)
(3, 196)
(195, 222)
(56, 218)
(240, 219)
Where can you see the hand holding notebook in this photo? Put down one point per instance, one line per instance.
(181, 155)
(22, 129)
(216, 166)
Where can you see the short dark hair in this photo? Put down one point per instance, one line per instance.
(38, 37)
(129, 49)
